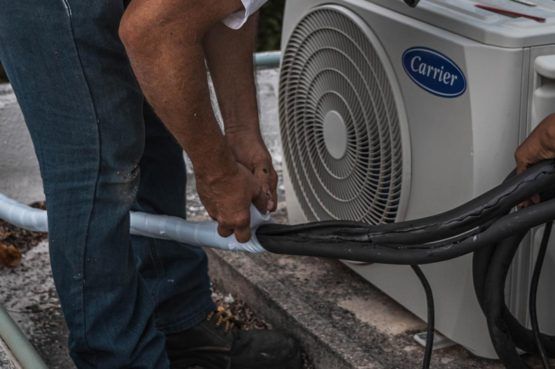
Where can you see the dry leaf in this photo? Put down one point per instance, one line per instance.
(9, 255)
(4, 234)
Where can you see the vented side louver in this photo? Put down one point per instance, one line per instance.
(339, 121)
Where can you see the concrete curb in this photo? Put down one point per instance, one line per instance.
(342, 321)
(283, 307)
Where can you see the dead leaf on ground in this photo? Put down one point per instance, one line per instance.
(9, 255)
(4, 233)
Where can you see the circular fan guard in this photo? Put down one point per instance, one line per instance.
(340, 125)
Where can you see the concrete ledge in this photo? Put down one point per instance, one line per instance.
(284, 308)
(342, 321)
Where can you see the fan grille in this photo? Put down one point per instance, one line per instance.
(339, 122)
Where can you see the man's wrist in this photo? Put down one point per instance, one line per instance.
(243, 136)
(214, 165)
(241, 121)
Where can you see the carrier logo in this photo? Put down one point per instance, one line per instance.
(434, 72)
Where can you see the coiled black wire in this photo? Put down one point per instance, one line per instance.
(486, 226)
(431, 316)
(532, 308)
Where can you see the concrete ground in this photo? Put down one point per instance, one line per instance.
(342, 321)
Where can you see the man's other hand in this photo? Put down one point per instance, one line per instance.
(228, 198)
(249, 150)
(540, 145)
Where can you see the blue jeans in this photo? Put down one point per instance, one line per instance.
(102, 152)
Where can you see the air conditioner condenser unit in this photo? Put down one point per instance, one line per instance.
(390, 113)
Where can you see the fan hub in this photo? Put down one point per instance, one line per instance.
(335, 134)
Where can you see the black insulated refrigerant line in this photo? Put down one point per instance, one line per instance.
(412, 3)
(490, 226)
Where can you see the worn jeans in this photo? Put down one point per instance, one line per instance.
(102, 152)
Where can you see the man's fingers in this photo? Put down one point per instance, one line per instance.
(238, 224)
(260, 196)
(224, 231)
(520, 169)
(535, 199)
(260, 201)
(523, 158)
(521, 166)
(272, 204)
(243, 234)
(267, 177)
(242, 226)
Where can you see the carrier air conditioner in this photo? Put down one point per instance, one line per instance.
(390, 113)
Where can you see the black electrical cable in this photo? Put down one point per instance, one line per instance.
(490, 270)
(412, 3)
(532, 307)
(472, 214)
(485, 226)
(431, 316)
(494, 304)
(334, 242)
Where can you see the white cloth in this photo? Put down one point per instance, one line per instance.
(238, 19)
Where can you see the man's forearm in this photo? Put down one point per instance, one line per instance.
(230, 58)
(168, 61)
(163, 39)
(229, 54)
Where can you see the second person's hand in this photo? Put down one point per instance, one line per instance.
(538, 146)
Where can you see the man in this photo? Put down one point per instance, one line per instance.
(132, 302)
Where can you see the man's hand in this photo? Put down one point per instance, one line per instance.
(540, 145)
(249, 150)
(227, 199)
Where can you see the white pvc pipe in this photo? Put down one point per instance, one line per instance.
(195, 233)
(200, 234)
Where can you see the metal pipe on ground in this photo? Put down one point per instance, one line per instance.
(25, 354)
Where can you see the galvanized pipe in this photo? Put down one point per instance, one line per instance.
(25, 354)
(270, 59)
